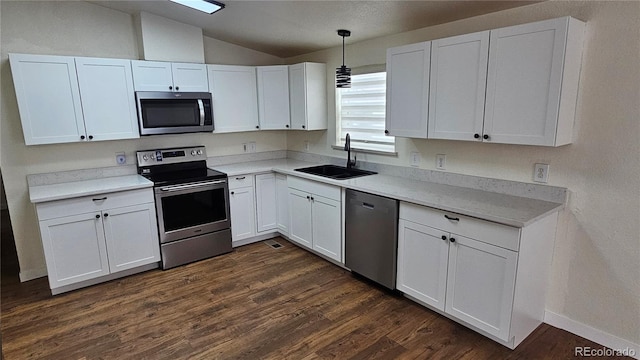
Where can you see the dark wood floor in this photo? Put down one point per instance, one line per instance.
(257, 302)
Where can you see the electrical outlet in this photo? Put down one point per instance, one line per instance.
(121, 158)
(252, 147)
(415, 158)
(306, 146)
(541, 173)
(441, 161)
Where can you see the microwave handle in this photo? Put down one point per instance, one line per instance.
(201, 106)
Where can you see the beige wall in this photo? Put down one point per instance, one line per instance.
(596, 265)
(80, 28)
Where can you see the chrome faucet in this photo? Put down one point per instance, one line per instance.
(347, 148)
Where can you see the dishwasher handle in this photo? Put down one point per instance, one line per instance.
(368, 206)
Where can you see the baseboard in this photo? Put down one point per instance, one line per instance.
(32, 274)
(591, 333)
(254, 239)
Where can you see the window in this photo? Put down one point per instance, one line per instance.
(361, 113)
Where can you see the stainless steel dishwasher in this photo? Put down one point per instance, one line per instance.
(371, 236)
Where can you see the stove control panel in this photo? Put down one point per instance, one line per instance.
(171, 156)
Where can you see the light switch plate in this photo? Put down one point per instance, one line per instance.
(415, 158)
(441, 161)
(541, 173)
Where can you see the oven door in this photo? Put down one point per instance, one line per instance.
(192, 209)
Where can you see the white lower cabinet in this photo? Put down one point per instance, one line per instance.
(467, 268)
(90, 237)
(282, 204)
(315, 215)
(266, 214)
(242, 205)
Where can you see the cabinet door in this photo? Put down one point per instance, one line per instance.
(297, 96)
(266, 202)
(326, 216)
(523, 82)
(408, 90)
(480, 285)
(243, 213)
(74, 248)
(300, 222)
(282, 204)
(457, 86)
(273, 97)
(132, 236)
(422, 263)
(152, 75)
(108, 99)
(48, 98)
(235, 98)
(190, 77)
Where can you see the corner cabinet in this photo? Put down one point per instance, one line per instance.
(65, 99)
(235, 98)
(308, 96)
(476, 272)
(167, 76)
(408, 90)
(315, 213)
(87, 239)
(273, 97)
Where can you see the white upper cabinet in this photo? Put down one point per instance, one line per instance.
(188, 77)
(408, 90)
(108, 99)
(532, 82)
(457, 86)
(48, 98)
(235, 98)
(166, 76)
(308, 96)
(64, 99)
(273, 97)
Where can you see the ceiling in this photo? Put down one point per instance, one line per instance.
(290, 28)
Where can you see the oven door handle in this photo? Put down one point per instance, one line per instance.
(201, 106)
(192, 186)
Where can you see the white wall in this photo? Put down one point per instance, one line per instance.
(84, 29)
(596, 266)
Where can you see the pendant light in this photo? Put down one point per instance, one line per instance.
(343, 73)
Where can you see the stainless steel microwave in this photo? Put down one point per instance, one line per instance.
(174, 112)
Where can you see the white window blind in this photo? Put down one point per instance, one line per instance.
(361, 113)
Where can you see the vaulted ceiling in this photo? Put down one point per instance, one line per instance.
(290, 28)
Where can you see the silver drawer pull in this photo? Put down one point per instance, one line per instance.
(100, 199)
(192, 186)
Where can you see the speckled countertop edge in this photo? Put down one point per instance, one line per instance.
(500, 208)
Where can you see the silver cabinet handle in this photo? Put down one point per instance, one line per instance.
(192, 186)
(201, 106)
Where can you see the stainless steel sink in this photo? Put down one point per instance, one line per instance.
(335, 172)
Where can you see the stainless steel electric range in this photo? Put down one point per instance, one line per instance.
(192, 204)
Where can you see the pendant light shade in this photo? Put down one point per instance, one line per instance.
(343, 73)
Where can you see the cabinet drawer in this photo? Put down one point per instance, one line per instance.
(314, 187)
(504, 236)
(85, 204)
(239, 181)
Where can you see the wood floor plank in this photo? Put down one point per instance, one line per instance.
(253, 303)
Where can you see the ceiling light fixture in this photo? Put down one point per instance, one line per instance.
(343, 73)
(207, 6)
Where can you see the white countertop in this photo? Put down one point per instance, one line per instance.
(504, 209)
(42, 193)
